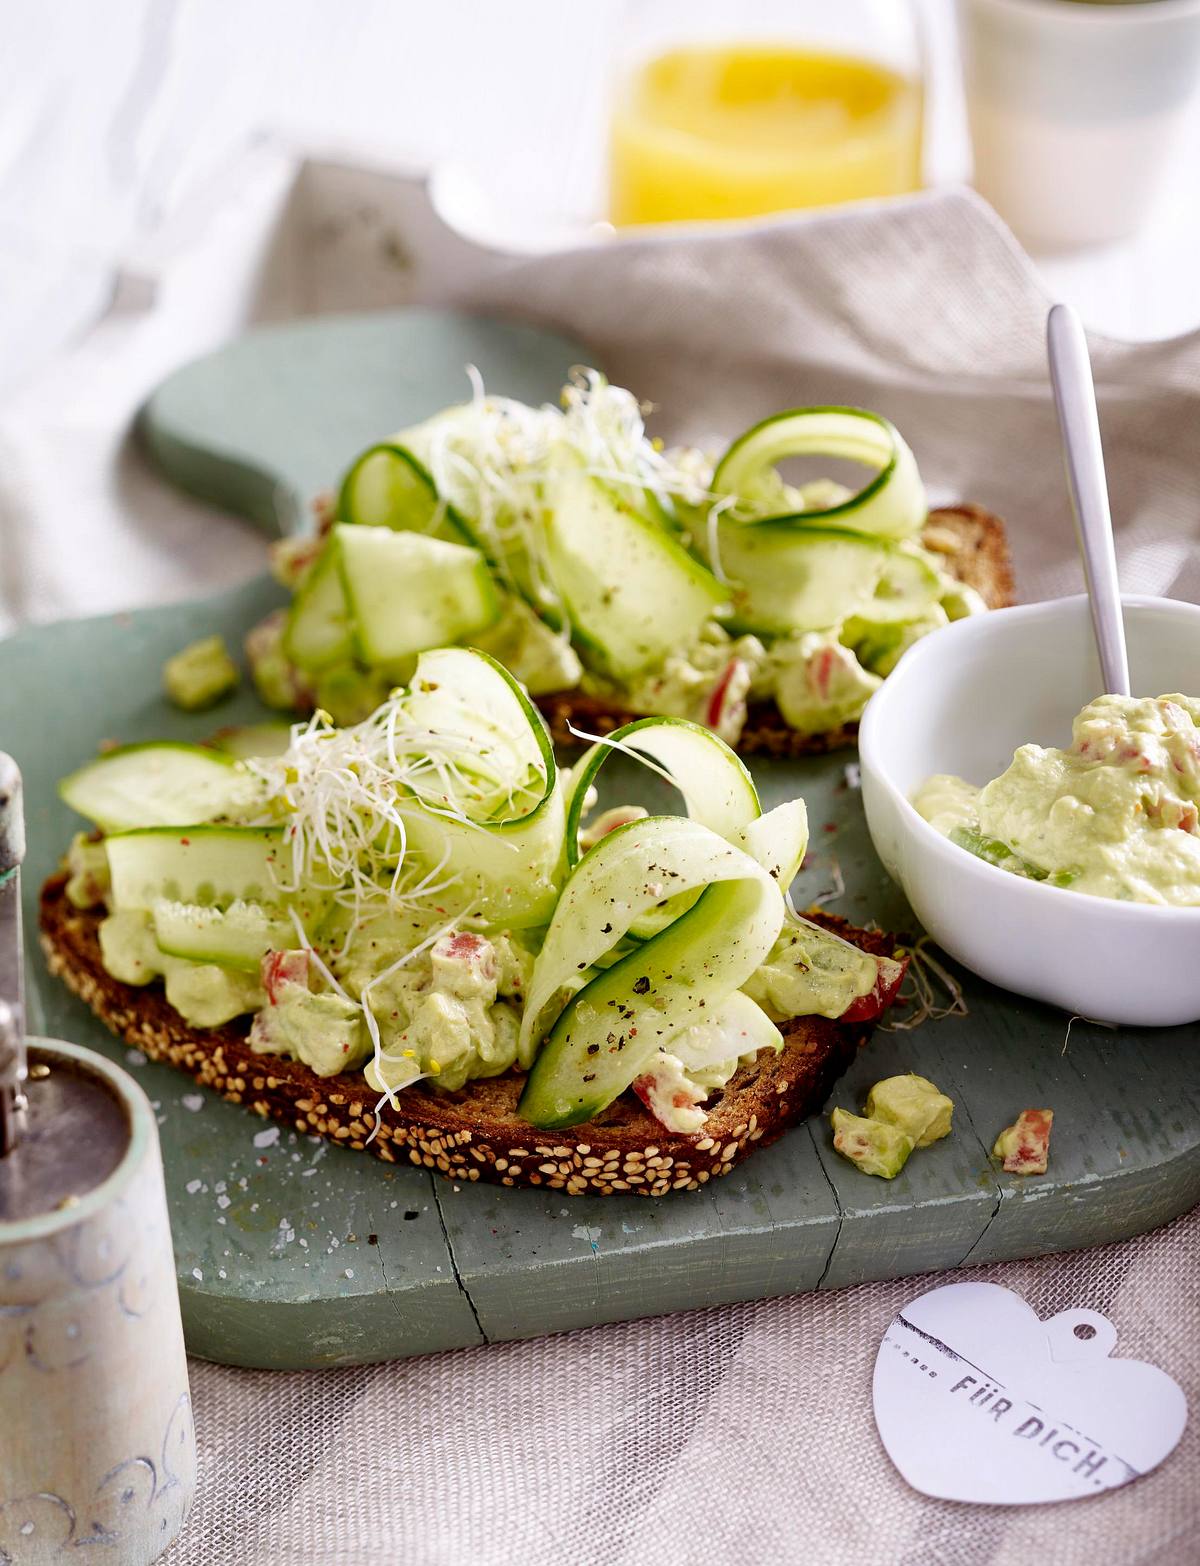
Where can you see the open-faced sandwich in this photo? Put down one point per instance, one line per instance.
(418, 935)
(615, 578)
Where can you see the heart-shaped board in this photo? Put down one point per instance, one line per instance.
(978, 1399)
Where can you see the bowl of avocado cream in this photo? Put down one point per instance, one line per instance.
(1046, 835)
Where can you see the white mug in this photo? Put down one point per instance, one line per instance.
(97, 1451)
(1073, 108)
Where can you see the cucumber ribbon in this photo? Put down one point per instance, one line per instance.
(610, 1030)
(891, 505)
(717, 790)
(809, 567)
(457, 772)
(503, 846)
(163, 783)
(702, 899)
(422, 481)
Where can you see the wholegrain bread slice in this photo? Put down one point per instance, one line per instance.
(474, 1134)
(972, 547)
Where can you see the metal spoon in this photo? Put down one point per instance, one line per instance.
(1075, 400)
(12, 957)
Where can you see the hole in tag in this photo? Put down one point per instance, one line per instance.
(1085, 1330)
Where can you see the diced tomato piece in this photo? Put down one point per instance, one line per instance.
(1028, 1141)
(821, 671)
(280, 968)
(888, 979)
(643, 1086)
(715, 710)
(462, 944)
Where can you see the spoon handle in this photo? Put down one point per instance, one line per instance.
(1075, 400)
(12, 957)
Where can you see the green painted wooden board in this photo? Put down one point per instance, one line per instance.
(262, 425)
(294, 1253)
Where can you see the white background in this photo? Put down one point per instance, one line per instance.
(112, 113)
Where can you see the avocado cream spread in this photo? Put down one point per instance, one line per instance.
(203, 994)
(1116, 814)
(902, 1113)
(875, 1146)
(806, 970)
(200, 675)
(915, 1105)
(1024, 1146)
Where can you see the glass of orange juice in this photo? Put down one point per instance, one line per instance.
(731, 111)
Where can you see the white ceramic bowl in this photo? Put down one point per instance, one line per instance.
(961, 701)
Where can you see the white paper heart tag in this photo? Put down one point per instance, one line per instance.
(978, 1399)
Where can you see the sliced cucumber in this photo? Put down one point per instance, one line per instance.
(389, 487)
(632, 594)
(158, 784)
(235, 937)
(719, 793)
(891, 505)
(508, 855)
(717, 788)
(738, 1026)
(465, 694)
(610, 1030)
(787, 578)
(244, 741)
(209, 865)
(779, 841)
(318, 631)
(407, 593)
(466, 456)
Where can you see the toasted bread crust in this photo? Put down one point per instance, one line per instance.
(972, 546)
(474, 1134)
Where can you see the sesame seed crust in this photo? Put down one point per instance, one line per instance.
(474, 1134)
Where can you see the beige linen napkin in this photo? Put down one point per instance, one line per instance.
(925, 310)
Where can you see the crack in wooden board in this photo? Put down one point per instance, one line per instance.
(767, 1228)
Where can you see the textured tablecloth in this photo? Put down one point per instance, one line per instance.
(741, 1436)
(743, 1433)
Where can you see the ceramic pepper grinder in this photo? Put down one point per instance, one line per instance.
(96, 1440)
